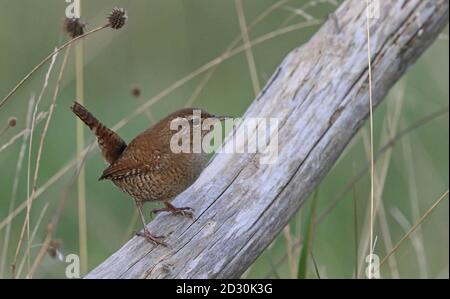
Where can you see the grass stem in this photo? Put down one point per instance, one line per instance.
(81, 183)
(46, 59)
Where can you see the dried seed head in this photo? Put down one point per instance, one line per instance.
(12, 121)
(117, 18)
(74, 27)
(136, 91)
(54, 249)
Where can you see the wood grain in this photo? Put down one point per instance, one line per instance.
(319, 93)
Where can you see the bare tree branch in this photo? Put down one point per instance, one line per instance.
(319, 93)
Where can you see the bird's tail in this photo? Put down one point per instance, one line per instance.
(109, 141)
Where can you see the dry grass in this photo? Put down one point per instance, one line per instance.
(372, 215)
(32, 238)
(81, 182)
(30, 188)
(230, 47)
(15, 187)
(141, 109)
(383, 149)
(378, 176)
(31, 197)
(350, 185)
(248, 51)
(47, 59)
(414, 227)
(34, 192)
(418, 243)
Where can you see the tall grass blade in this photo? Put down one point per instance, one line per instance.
(307, 233)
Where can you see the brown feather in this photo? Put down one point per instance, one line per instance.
(110, 143)
(147, 169)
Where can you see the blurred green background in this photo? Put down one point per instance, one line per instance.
(162, 42)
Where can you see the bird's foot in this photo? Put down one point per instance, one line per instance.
(183, 211)
(156, 240)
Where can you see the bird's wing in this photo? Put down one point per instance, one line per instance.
(135, 162)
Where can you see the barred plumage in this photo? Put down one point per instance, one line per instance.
(147, 169)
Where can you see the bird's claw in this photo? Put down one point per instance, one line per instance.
(156, 240)
(183, 211)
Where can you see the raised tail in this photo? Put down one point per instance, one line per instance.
(109, 141)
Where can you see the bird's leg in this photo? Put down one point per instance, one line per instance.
(146, 234)
(183, 211)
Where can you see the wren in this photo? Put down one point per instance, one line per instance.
(147, 169)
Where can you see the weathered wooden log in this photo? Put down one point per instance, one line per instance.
(320, 96)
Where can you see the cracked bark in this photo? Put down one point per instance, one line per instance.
(319, 93)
